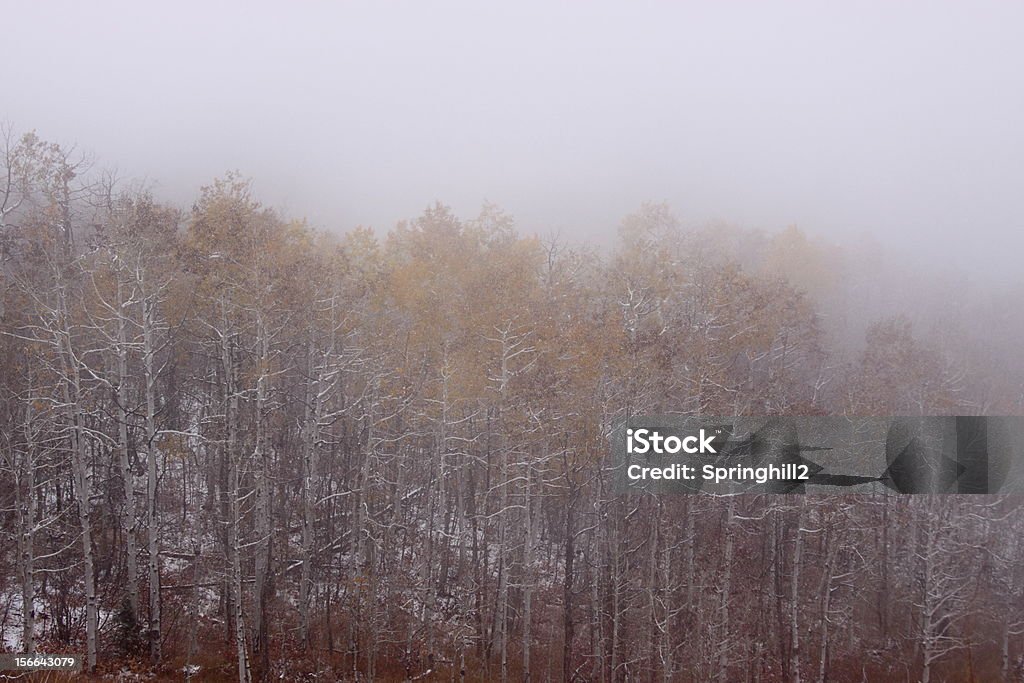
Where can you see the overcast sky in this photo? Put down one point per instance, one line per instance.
(899, 119)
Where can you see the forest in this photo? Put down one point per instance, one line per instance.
(235, 447)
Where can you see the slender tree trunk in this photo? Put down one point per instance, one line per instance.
(568, 625)
(654, 640)
(72, 390)
(363, 541)
(930, 602)
(794, 593)
(885, 597)
(309, 468)
(724, 636)
(152, 520)
(831, 549)
(234, 550)
(261, 458)
(528, 575)
(690, 541)
(669, 596)
(503, 568)
(128, 519)
(26, 503)
(614, 563)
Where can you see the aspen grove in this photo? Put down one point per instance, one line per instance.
(234, 447)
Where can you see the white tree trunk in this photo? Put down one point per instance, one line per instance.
(26, 504)
(234, 550)
(832, 548)
(72, 390)
(261, 458)
(527, 576)
(152, 521)
(309, 469)
(794, 592)
(129, 522)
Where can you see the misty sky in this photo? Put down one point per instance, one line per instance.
(900, 119)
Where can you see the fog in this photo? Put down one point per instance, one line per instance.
(232, 447)
(897, 120)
